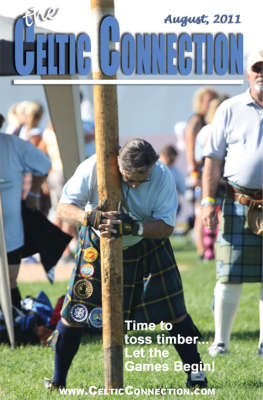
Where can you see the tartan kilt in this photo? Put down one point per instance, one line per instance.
(239, 254)
(153, 289)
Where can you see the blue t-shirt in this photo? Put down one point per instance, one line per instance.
(154, 199)
(17, 156)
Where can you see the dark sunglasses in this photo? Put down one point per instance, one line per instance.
(257, 68)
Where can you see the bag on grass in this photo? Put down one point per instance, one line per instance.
(40, 306)
(25, 328)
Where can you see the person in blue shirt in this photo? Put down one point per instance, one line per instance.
(149, 204)
(18, 156)
(168, 155)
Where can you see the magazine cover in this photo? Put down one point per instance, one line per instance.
(133, 129)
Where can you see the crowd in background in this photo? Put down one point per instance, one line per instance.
(190, 143)
(24, 121)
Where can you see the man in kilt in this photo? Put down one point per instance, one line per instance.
(146, 219)
(236, 142)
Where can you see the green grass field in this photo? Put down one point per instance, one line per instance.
(237, 376)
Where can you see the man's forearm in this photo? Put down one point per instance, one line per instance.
(211, 176)
(71, 213)
(157, 229)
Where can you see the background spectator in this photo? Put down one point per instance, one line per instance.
(168, 156)
(18, 156)
(202, 98)
(55, 182)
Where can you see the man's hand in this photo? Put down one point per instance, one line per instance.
(115, 224)
(109, 226)
(129, 225)
(209, 216)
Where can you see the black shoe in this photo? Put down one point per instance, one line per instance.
(196, 379)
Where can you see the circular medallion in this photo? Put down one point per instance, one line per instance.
(86, 270)
(83, 289)
(79, 312)
(90, 254)
(95, 317)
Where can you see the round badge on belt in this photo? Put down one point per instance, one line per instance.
(95, 317)
(90, 254)
(87, 270)
(79, 312)
(83, 289)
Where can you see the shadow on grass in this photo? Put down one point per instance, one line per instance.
(249, 384)
(242, 335)
(91, 337)
(185, 247)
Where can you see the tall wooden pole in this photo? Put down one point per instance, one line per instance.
(107, 142)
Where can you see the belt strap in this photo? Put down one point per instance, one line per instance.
(255, 199)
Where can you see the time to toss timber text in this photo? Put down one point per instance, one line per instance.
(150, 355)
(203, 19)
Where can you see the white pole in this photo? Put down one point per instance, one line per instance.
(5, 292)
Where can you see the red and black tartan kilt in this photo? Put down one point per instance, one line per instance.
(153, 289)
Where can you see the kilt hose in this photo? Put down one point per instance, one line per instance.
(153, 289)
(239, 255)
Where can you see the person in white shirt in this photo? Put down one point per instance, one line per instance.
(236, 145)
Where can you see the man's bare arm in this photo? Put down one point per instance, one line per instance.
(76, 216)
(71, 213)
(157, 229)
(210, 180)
(211, 176)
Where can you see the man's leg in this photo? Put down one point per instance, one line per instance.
(15, 294)
(185, 328)
(227, 299)
(14, 258)
(67, 345)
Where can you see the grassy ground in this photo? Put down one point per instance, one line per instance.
(236, 376)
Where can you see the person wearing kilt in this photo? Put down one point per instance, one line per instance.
(236, 144)
(153, 289)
